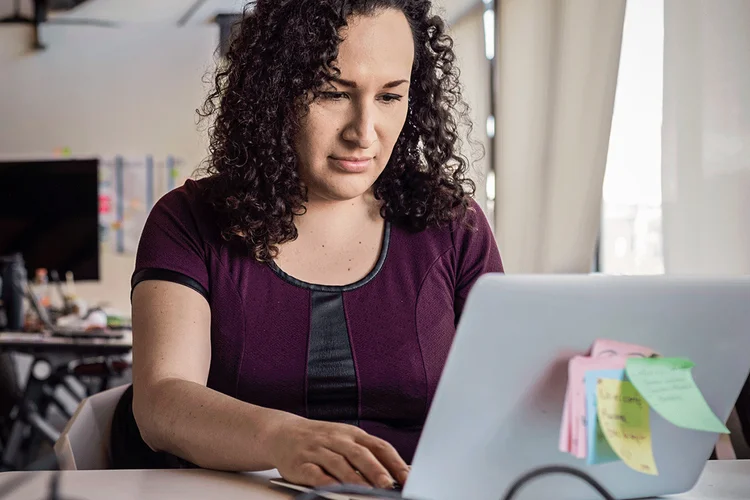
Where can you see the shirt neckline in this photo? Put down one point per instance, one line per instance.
(340, 288)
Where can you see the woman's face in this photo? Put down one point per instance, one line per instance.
(347, 137)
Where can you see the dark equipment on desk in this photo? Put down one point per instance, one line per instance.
(49, 213)
(71, 332)
(12, 289)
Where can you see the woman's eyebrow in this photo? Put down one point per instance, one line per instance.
(353, 85)
(395, 83)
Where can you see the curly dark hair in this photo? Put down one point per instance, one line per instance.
(285, 49)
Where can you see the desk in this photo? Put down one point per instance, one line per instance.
(41, 343)
(721, 480)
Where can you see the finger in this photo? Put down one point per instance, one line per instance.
(387, 455)
(366, 463)
(312, 475)
(339, 467)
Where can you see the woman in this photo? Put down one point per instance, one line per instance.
(294, 309)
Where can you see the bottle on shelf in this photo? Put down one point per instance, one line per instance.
(41, 287)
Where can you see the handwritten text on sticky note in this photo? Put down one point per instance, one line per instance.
(624, 420)
(667, 385)
(599, 451)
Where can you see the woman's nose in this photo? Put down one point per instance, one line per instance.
(361, 128)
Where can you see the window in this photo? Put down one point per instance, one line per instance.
(631, 236)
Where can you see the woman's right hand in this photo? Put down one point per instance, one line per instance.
(315, 453)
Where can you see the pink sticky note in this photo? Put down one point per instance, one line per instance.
(564, 444)
(605, 355)
(607, 347)
(577, 369)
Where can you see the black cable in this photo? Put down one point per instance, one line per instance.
(53, 490)
(556, 469)
(47, 462)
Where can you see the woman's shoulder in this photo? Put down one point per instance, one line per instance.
(470, 220)
(467, 231)
(177, 241)
(191, 196)
(186, 206)
(474, 239)
(473, 219)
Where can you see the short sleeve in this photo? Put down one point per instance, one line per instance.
(171, 247)
(476, 254)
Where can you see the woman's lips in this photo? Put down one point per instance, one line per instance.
(353, 165)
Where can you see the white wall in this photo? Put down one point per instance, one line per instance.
(131, 90)
(150, 11)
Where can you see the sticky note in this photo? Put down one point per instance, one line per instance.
(598, 449)
(564, 444)
(667, 385)
(577, 368)
(605, 354)
(608, 347)
(624, 419)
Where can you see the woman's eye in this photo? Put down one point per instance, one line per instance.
(334, 96)
(390, 98)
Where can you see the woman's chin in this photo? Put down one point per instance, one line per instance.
(340, 193)
(346, 189)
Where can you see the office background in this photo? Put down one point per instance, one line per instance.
(615, 133)
(124, 78)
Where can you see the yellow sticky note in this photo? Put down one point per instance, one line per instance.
(623, 418)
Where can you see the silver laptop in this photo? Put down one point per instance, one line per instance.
(497, 411)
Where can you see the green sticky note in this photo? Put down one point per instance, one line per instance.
(667, 385)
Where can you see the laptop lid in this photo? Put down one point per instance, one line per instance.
(497, 409)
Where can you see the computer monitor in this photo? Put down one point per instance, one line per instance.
(49, 212)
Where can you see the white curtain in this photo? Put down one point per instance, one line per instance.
(706, 137)
(468, 37)
(556, 78)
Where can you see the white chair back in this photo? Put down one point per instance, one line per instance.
(84, 443)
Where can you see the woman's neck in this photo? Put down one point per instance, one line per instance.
(332, 219)
(338, 243)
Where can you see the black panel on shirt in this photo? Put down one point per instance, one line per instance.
(332, 392)
(167, 275)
